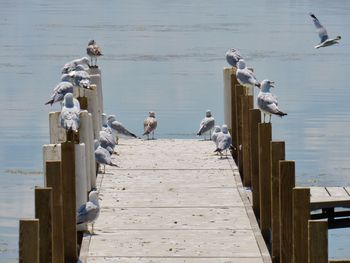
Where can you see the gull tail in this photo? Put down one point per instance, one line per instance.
(258, 85)
(218, 150)
(146, 133)
(281, 114)
(113, 164)
(133, 135)
(49, 102)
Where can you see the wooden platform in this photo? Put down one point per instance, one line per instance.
(173, 201)
(329, 197)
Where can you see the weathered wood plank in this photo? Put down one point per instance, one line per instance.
(318, 192)
(173, 260)
(337, 192)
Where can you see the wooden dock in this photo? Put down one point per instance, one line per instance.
(173, 201)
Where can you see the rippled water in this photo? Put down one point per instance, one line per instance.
(168, 56)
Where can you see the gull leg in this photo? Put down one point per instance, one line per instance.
(264, 116)
(270, 119)
(104, 168)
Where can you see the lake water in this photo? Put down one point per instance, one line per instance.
(168, 56)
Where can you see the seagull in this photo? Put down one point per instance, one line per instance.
(77, 78)
(206, 125)
(89, 212)
(59, 91)
(76, 64)
(267, 102)
(69, 117)
(102, 156)
(107, 141)
(215, 134)
(93, 51)
(245, 76)
(322, 33)
(224, 140)
(233, 56)
(118, 127)
(150, 124)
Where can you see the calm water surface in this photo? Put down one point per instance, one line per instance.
(168, 56)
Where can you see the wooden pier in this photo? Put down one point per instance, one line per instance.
(173, 201)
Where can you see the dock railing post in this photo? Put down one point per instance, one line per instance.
(96, 79)
(255, 119)
(69, 202)
(240, 92)
(51, 152)
(83, 102)
(91, 95)
(54, 180)
(287, 183)
(43, 212)
(301, 215)
(265, 137)
(81, 190)
(28, 241)
(318, 241)
(277, 153)
(247, 104)
(57, 133)
(229, 72)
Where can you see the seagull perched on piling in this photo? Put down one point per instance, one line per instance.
(322, 33)
(267, 102)
(245, 76)
(206, 125)
(233, 56)
(150, 124)
(77, 78)
(93, 51)
(59, 91)
(224, 140)
(69, 116)
(118, 127)
(89, 212)
(76, 64)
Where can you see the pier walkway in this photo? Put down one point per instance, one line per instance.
(173, 201)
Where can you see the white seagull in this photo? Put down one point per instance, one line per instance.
(214, 136)
(224, 140)
(322, 33)
(267, 102)
(245, 76)
(93, 51)
(233, 56)
(69, 117)
(59, 91)
(76, 64)
(89, 212)
(206, 125)
(118, 127)
(150, 124)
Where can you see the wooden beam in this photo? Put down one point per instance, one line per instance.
(318, 241)
(240, 91)
(247, 104)
(29, 241)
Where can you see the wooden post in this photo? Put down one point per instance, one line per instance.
(93, 163)
(87, 137)
(318, 241)
(54, 180)
(240, 91)
(91, 95)
(95, 79)
(51, 152)
(81, 191)
(265, 137)
(69, 202)
(229, 72)
(83, 101)
(43, 212)
(301, 215)
(234, 124)
(255, 119)
(57, 133)
(287, 182)
(29, 241)
(247, 104)
(277, 153)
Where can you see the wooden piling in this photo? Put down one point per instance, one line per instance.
(51, 152)
(54, 180)
(301, 215)
(234, 124)
(318, 241)
(57, 133)
(255, 119)
(83, 101)
(81, 176)
(91, 95)
(29, 241)
(265, 137)
(240, 91)
(277, 153)
(69, 201)
(247, 104)
(95, 79)
(287, 182)
(229, 72)
(43, 212)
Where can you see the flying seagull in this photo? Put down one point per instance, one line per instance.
(322, 33)
(267, 102)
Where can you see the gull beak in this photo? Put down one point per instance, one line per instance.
(272, 84)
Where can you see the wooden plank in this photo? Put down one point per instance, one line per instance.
(265, 137)
(234, 82)
(240, 91)
(318, 192)
(255, 119)
(318, 241)
(301, 215)
(337, 192)
(173, 260)
(29, 241)
(228, 72)
(43, 212)
(287, 182)
(247, 104)
(277, 153)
